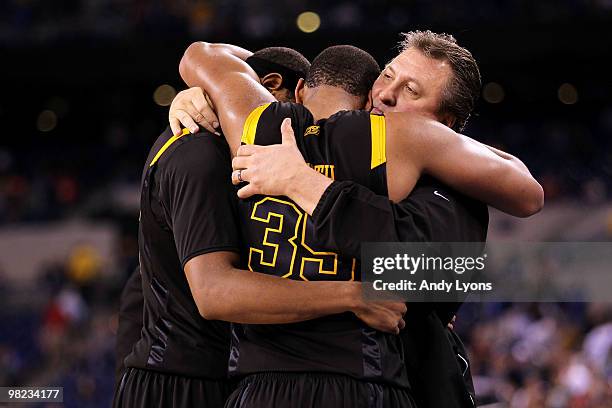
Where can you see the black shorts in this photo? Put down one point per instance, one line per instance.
(151, 389)
(310, 390)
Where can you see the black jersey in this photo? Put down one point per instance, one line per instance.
(279, 240)
(436, 361)
(130, 320)
(187, 209)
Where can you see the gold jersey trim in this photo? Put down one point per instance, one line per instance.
(250, 124)
(379, 140)
(167, 145)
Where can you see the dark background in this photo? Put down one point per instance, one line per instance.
(97, 68)
(78, 116)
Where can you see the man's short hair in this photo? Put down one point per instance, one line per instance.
(287, 62)
(346, 67)
(461, 92)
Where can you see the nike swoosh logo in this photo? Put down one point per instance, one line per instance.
(467, 365)
(440, 195)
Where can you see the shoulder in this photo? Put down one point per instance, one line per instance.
(353, 123)
(349, 124)
(198, 154)
(289, 108)
(262, 126)
(359, 132)
(281, 110)
(448, 207)
(348, 118)
(432, 190)
(276, 112)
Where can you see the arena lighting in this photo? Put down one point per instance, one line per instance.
(493, 92)
(47, 121)
(308, 22)
(164, 94)
(568, 94)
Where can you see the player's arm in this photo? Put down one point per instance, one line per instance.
(414, 146)
(380, 220)
(231, 84)
(423, 216)
(199, 204)
(223, 292)
(418, 145)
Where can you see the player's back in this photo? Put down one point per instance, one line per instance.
(279, 240)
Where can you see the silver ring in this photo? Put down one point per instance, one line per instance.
(240, 176)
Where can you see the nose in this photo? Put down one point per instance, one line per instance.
(387, 96)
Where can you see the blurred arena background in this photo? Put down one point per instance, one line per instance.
(84, 92)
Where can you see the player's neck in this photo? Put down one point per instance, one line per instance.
(323, 101)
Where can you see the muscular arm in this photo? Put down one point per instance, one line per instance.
(418, 145)
(232, 85)
(223, 292)
(414, 146)
(497, 178)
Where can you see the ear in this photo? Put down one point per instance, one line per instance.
(369, 104)
(272, 81)
(299, 91)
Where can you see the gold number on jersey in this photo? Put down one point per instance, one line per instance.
(283, 218)
(263, 213)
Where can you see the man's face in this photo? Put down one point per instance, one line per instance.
(411, 82)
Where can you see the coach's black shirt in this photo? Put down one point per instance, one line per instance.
(279, 240)
(436, 362)
(187, 209)
(433, 212)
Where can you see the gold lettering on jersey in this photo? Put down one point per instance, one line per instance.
(312, 130)
(270, 232)
(284, 223)
(328, 170)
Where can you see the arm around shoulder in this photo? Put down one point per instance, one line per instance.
(425, 146)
